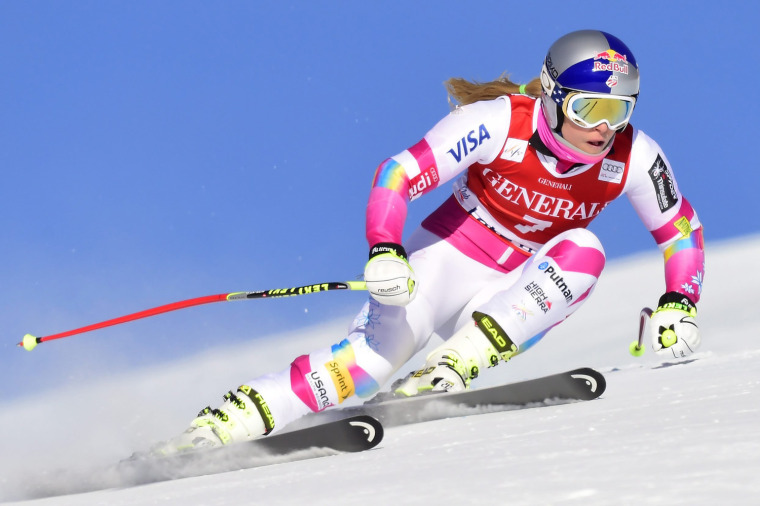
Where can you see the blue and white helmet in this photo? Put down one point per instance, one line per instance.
(590, 62)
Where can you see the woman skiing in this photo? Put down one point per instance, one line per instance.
(507, 256)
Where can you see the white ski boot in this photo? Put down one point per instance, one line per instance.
(453, 365)
(242, 417)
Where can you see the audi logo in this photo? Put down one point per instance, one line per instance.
(609, 167)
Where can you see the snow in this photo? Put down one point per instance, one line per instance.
(664, 432)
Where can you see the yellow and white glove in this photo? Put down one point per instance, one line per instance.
(672, 326)
(389, 277)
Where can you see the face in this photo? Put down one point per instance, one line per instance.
(589, 140)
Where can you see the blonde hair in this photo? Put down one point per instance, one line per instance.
(465, 92)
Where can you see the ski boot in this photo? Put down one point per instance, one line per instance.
(242, 417)
(453, 365)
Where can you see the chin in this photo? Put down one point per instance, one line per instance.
(593, 150)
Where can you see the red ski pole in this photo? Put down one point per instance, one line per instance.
(29, 342)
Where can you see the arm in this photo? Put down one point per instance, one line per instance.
(668, 215)
(470, 134)
(386, 209)
(654, 193)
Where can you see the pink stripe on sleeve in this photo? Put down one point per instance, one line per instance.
(427, 179)
(668, 231)
(424, 155)
(392, 189)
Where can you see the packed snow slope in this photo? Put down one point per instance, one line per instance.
(663, 433)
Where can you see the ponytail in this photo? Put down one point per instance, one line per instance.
(463, 92)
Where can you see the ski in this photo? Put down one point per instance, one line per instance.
(352, 433)
(582, 384)
(351, 429)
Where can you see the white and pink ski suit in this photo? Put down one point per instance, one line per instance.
(510, 242)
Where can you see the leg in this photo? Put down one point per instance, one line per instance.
(510, 315)
(381, 339)
(552, 285)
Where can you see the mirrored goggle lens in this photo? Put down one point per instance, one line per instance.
(590, 111)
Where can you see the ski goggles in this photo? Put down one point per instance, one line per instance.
(592, 109)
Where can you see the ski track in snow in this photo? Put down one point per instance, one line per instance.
(664, 432)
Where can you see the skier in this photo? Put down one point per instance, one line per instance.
(507, 257)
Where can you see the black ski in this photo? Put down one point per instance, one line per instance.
(351, 433)
(577, 385)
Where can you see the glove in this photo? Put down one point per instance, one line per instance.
(673, 329)
(389, 277)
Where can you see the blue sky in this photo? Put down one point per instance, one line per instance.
(158, 151)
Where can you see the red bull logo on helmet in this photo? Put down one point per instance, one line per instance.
(616, 62)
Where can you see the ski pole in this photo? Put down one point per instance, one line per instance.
(637, 347)
(29, 342)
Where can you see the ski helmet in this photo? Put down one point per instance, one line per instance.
(589, 70)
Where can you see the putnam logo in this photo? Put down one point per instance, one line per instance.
(342, 380)
(557, 279)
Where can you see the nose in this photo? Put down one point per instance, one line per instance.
(602, 128)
